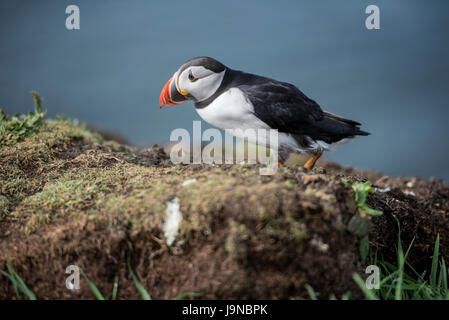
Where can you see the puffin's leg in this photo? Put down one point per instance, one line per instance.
(311, 162)
(283, 155)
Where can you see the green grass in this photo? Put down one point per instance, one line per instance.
(144, 293)
(311, 292)
(313, 296)
(93, 287)
(368, 293)
(114, 289)
(15, 128)
(17, 282)
(397, 284)
(20, 286)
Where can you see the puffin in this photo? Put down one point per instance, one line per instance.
(231, 99)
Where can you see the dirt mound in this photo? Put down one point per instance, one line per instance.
(69, 197)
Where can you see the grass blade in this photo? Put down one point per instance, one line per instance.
(13, 280)
(368, 293)
(311, 292)
(443, 274)
(401, 259)
(346, 296)
(114, 289)
(398, 289)
(434, 269)
(24, 288)
(14, 283)
(93, 287)
(19, 282)
(145, 295)
(408, 249)
(187, 295)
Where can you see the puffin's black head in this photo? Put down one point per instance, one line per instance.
(197, 79)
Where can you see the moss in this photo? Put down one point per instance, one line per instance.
(236, 241)
(15, 128)
(24, 164)
(65, 172)
(4, 206)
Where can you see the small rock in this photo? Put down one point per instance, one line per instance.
(320, 170)
(381, 190)
(312, 178)
(319, 244)
(409, 193)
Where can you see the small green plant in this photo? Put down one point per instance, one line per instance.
(361, 193)
(15, 128)
(358, 224)
(17, 282)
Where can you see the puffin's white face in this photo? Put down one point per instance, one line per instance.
(198, 82)
(197, 79)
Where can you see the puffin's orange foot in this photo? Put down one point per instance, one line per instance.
(311, 162)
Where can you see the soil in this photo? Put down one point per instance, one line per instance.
(74, 198)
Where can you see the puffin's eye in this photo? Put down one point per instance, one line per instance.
(192, 78)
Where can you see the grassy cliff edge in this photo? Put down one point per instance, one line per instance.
(69, 197)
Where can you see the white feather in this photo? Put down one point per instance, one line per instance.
(173, 218)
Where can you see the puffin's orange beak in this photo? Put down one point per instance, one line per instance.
(170, 95)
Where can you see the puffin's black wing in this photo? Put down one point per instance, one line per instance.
(284, 107)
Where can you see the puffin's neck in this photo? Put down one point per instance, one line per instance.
(224, 85)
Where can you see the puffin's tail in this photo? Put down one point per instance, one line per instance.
(354, 124)
(333, 128)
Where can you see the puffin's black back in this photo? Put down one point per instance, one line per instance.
(284, 107)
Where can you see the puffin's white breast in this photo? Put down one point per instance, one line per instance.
(232, 110)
